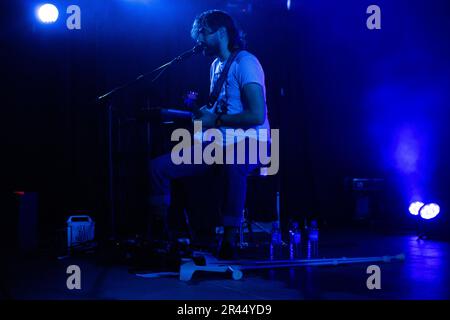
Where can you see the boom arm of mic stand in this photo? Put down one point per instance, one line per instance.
(161, 68)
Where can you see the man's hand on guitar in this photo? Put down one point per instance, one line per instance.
(207, 118)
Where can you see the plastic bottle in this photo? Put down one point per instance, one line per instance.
(295, 239)
(275, 242)
(313, 240)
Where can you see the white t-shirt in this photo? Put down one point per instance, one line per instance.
(245, 69)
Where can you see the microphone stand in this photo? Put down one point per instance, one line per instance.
(161, 68)
(109, 98)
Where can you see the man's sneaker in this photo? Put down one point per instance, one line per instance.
(228, 249)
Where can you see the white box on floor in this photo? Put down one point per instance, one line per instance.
(80, 229)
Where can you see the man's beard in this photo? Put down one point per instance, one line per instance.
(211, 50)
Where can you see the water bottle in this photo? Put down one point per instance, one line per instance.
(275, 242)
(295, 238)
(313, 240)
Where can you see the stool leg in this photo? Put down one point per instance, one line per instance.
(241, 230)
(250, 230)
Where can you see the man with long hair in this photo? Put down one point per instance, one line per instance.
(240, 104)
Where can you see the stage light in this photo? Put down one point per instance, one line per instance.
(48, 13)
(415, 207)
(429, 211)
(288, 4)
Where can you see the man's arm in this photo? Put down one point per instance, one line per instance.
(254, 110)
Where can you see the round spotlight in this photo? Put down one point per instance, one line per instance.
(429, 211)
(48, 13)
(415, 207)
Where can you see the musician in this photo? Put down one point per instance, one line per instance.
(241, 103)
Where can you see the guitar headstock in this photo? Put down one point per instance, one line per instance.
(190, 100)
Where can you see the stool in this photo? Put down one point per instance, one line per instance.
(258, 173)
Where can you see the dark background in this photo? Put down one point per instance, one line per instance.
(349, 102)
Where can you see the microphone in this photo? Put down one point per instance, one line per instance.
(195, 50)
(198, 47)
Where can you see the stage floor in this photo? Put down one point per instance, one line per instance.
(423, 275)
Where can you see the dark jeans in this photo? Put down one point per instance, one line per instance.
(233, 178)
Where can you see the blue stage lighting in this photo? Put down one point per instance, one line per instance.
(288, 4)
(415, 207)
(48, 13)
(429, 211)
